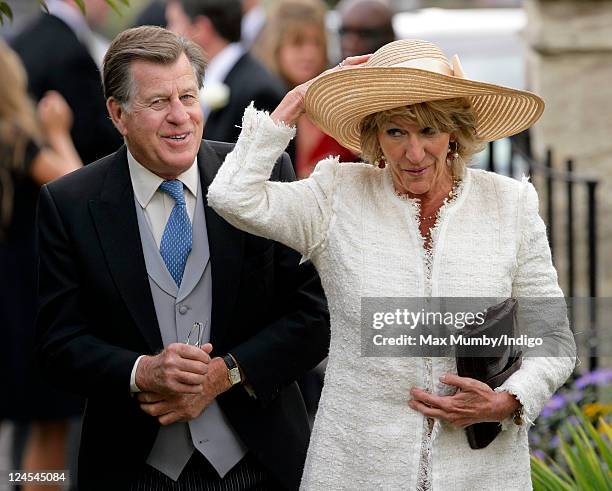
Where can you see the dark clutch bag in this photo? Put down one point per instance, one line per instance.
(493, 371)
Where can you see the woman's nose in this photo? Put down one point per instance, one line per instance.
(415, 150)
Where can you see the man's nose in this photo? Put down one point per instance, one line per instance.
(177, 113)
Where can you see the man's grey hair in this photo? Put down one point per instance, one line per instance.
(146, 43)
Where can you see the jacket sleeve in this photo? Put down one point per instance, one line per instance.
(65, 343)
(535, 285)
(297, 214)
(297, 337)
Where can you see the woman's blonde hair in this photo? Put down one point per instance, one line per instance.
(18, 123)
(447, 116)
(18, 126)
(286, 24)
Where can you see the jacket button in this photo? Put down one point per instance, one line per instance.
(183, 309)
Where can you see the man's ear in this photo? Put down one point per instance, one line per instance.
(117, 114)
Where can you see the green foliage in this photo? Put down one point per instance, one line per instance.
(587, 455)
(5, 11)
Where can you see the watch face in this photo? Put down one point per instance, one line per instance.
(234, 375)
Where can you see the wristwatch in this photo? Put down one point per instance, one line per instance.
(233, 372)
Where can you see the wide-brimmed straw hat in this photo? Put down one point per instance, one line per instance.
(407, 72)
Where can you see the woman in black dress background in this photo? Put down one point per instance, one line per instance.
(35, 147)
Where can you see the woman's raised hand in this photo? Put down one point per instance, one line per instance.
(292, 105)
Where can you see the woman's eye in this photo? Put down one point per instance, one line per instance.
(394, 132)
(428, 131)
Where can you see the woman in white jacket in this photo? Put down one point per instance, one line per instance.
(417, 223)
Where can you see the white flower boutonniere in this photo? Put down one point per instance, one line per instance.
(215, 96)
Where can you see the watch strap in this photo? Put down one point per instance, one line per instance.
(233, 372)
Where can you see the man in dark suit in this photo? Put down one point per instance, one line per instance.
(55, 52)
(215, 25)
(137, 272)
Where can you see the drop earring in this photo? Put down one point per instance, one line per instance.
(453, 153)
(381, 162)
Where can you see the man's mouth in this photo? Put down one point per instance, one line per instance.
(180, 137)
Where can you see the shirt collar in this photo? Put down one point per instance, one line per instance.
(219, 66)
(145, 182)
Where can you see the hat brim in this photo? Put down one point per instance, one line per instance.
(338, 101)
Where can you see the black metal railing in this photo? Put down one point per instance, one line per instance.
(555, 181)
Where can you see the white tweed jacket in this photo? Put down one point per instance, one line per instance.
(364, 241)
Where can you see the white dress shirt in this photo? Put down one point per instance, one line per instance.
(157, 206)
(219, 67)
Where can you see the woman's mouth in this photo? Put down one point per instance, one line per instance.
(416, 172)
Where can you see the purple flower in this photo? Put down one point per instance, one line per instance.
(539, 454)
(601, 376)
(575, 396)
(556, 403)
(534, 438)
(554, 441)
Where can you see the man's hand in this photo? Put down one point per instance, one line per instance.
(173, 408)
(474, 402)
(178, 369)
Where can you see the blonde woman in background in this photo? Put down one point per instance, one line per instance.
(295, 48)
(35, 147)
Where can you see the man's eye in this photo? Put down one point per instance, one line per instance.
(188, 99)
(158, 104)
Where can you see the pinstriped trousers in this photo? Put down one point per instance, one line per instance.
(199, 475)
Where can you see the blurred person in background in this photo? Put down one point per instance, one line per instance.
(253, 22)
(152, 14)
(295, 42)
(365, 26)
(60, 52)
(234, 78)
(32, 152)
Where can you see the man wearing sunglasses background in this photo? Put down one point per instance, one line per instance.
(366, 25)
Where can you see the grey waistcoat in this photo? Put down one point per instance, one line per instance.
(177, 310)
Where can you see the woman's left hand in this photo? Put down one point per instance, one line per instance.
(474, 402)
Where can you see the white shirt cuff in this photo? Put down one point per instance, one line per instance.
(133, 386)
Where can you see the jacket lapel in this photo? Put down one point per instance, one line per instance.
(114, 216)
(226, 245)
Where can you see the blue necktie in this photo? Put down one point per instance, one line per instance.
(176, 242)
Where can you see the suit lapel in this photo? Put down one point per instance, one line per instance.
(226, 245)
(114, 216)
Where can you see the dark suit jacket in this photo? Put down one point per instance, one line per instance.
(97, 315)
(248, 81)
(55, 59)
